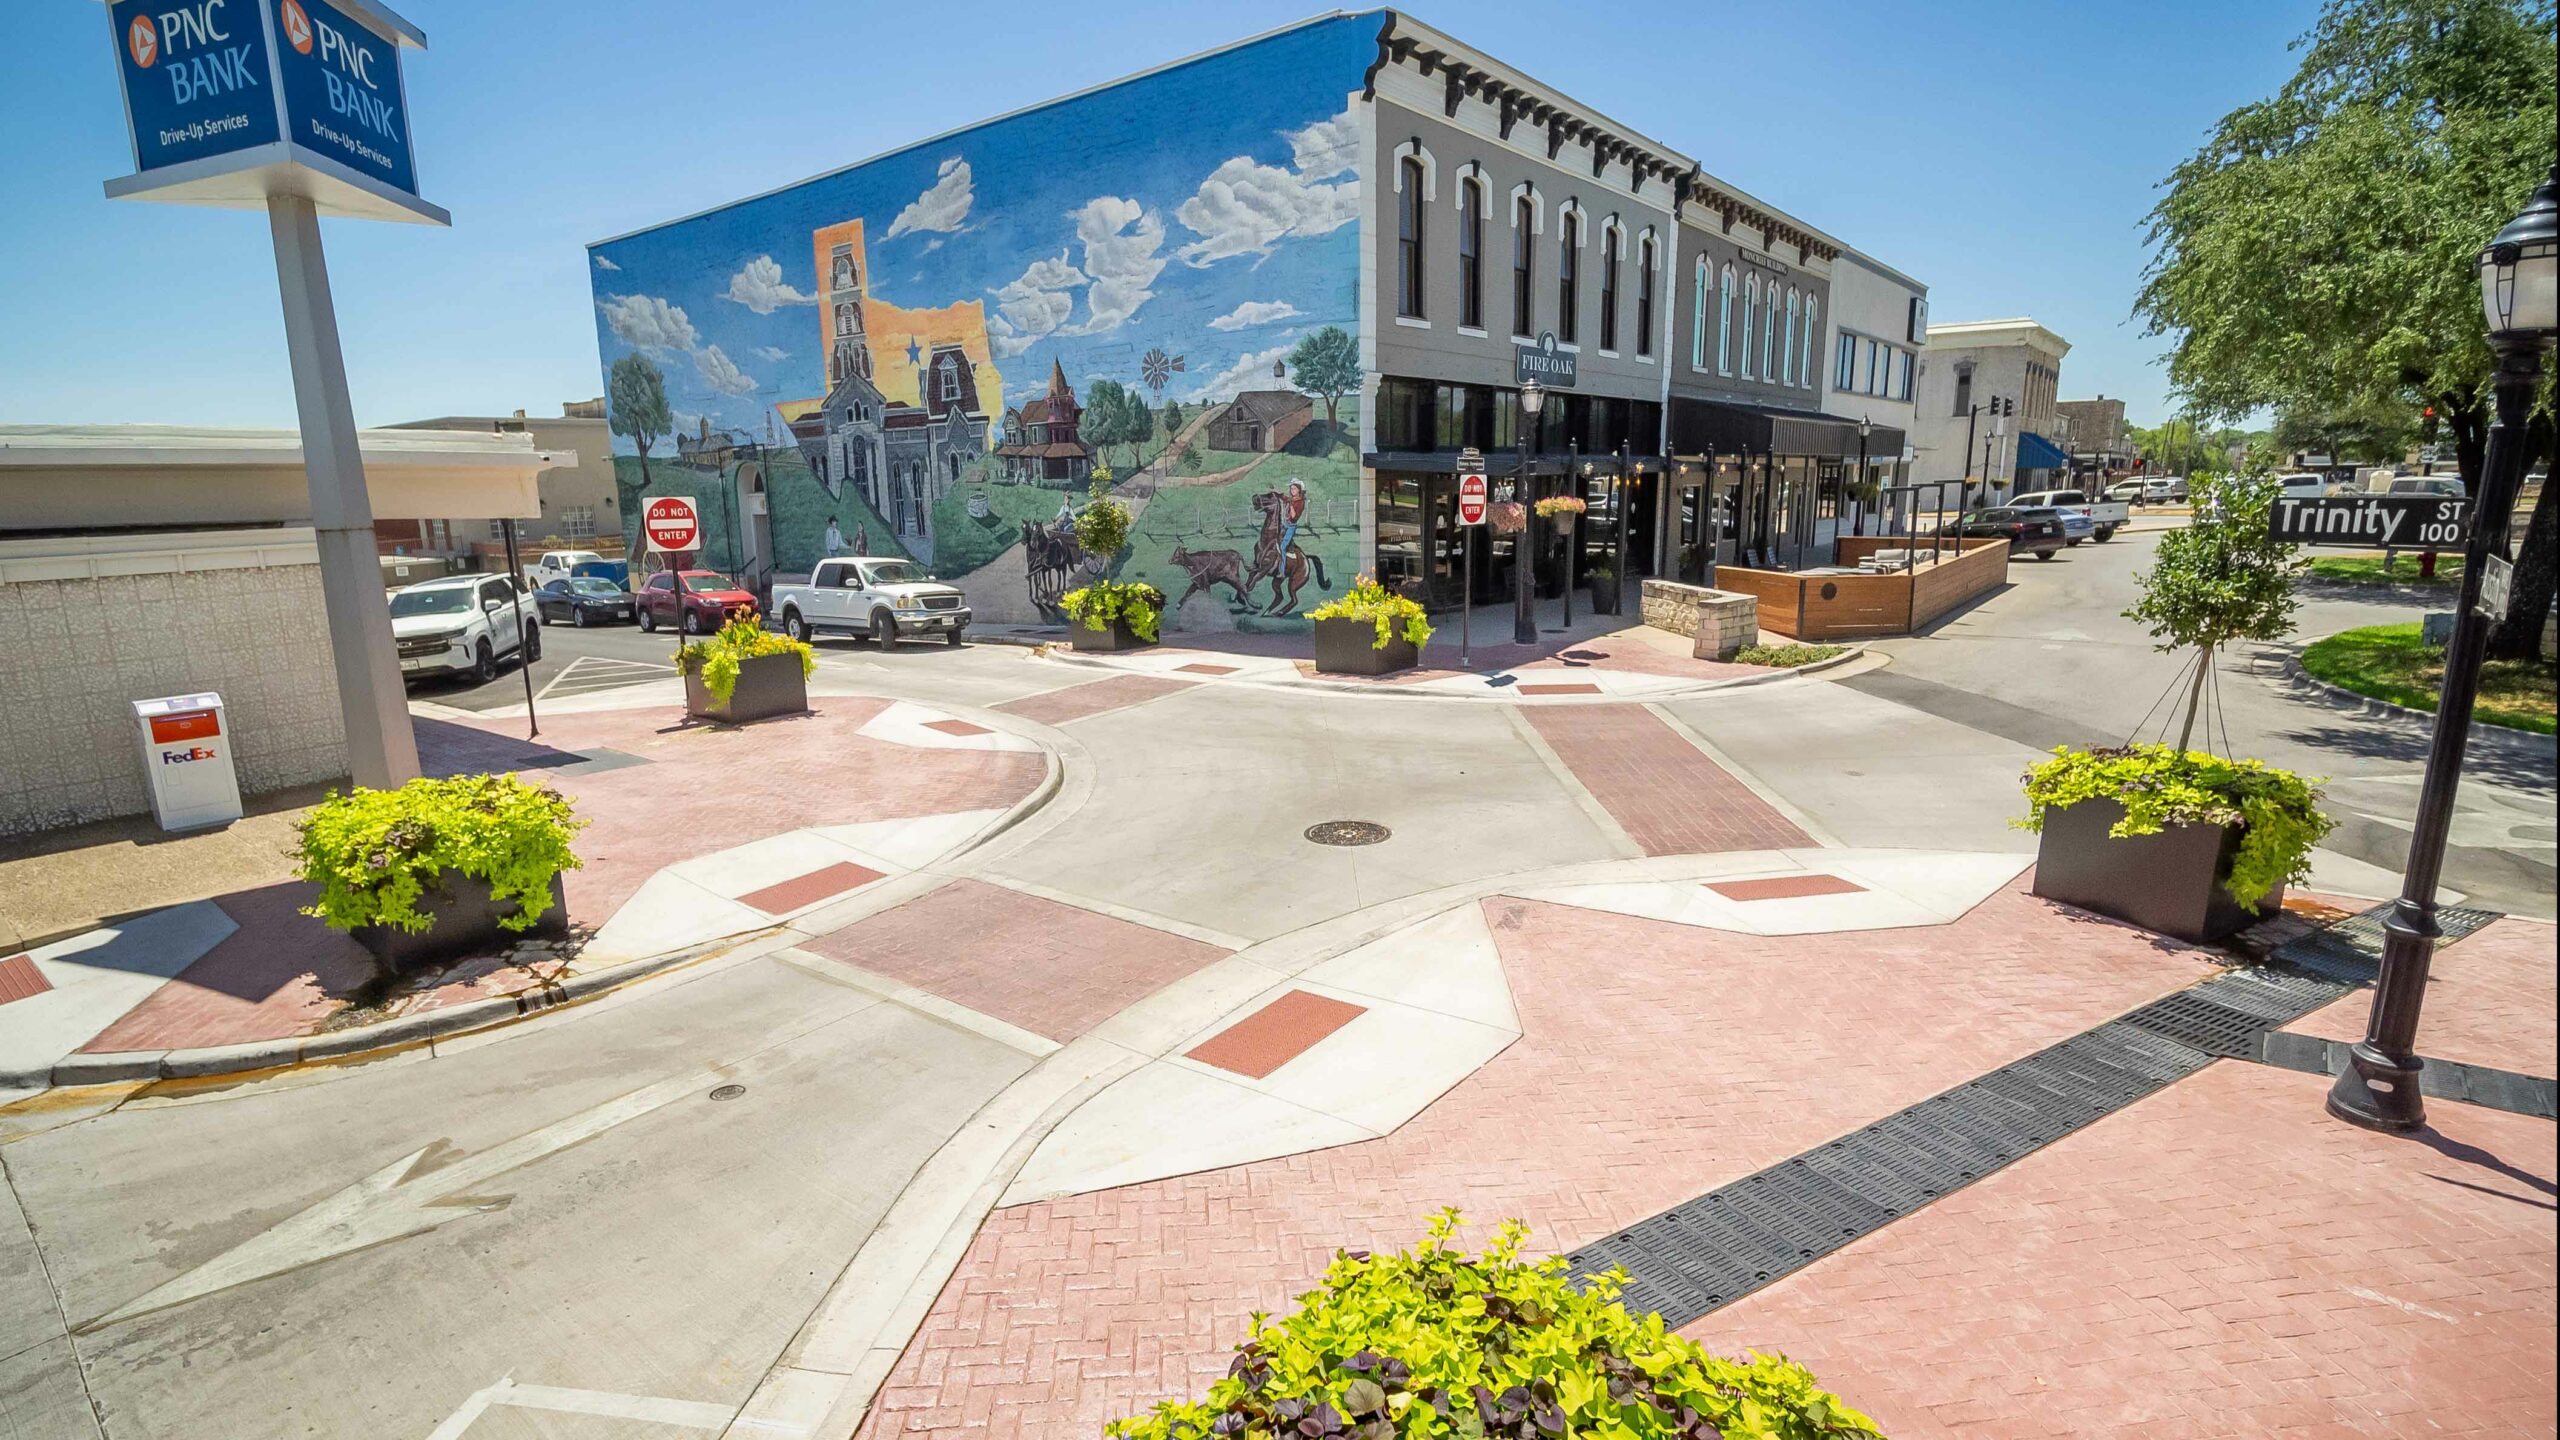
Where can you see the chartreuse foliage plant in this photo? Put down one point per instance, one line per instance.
(1436, 1342)
(374, 852)
(1786, 657)
(2278, 812)
(716, 656)
(1096, 605)
(1393, 614)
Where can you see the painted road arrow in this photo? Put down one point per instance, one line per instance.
(413, 1194)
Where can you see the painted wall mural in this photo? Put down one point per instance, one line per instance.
(936, 354)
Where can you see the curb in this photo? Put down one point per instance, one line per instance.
(111, 1067)
(2346, 701)
(1856, 651)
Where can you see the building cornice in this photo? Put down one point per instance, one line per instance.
(1468, 76)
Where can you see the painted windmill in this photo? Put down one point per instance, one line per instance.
(1157, 368)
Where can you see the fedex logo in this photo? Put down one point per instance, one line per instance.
(187, 756)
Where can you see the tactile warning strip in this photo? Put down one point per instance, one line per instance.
(1701, 1256)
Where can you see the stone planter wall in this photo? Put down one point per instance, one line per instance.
(1721, 621)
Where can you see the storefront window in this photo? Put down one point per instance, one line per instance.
(1399, 560)
(1404, 415)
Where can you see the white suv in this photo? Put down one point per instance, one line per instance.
(462, 625)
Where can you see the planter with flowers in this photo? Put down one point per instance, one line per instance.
(439, 869)
(2181, 842)
(1368, 630)
(1113, 614)
(744, 672)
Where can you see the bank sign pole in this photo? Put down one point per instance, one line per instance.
(294, 107)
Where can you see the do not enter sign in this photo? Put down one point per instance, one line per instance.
(671, 524)
(1471, 486)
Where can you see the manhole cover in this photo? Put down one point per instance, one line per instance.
(728, 1092)
(1347, 832)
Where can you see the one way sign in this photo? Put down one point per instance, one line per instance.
(2371, 522)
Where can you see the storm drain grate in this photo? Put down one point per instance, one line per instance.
(1347, 832)
(2351, 949)
(1701, 1256)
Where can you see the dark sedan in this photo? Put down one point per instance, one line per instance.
(2030, 530)
(585, 600)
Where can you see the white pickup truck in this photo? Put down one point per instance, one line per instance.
(2104, 515)
(887, 600)
(558, 565)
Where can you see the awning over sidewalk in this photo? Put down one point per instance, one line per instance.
(2037, 453)
(1714, 427)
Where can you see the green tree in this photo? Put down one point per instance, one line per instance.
(2372, 433)
(2219, 579)
(2317, 254)
(1327, 364)
(1172, 418)
(637, 403)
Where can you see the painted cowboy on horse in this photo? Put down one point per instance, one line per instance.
(1276, 553)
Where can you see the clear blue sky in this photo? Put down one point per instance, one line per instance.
(2004, 154)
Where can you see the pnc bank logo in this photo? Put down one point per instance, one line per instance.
(297, 26)
(142, 39)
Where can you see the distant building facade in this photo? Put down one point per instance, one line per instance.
(2094, 434)
(579, 507)
(1970, 364)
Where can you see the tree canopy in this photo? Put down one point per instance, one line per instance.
(1327, 364)
(2221, 578)
(2316, 254)
(636, 404)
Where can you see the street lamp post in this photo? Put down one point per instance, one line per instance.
(1524, 619)
(2519, 277)
(1858, 498)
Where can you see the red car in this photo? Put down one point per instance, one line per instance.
(711, 599)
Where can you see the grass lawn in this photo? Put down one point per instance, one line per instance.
(2390, 662)
(2367, 570)
(962, 542)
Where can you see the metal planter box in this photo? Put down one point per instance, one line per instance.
(1604, 596)
(466, 923)
(768, 685)
(1118, 637)
(1350, 647)
(2170, 882)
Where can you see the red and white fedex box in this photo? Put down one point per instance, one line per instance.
(186, 760)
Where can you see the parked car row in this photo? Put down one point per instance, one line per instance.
(462, 625)
(2030, 530)
(2082, 518)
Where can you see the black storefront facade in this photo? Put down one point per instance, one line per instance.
(1599, 447)
(1762, 486)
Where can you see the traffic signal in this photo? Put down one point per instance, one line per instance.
(2427, 424)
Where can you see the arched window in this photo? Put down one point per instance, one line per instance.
(1724, 324)
(1750, 317)
(1644, 296)
(1524, 305)
(1569, 278)
(1698, 317)
(1409, 238)
(1769, 338)
(1471, 254)
(1812, 340)
(1787, 351)
(1610, 240)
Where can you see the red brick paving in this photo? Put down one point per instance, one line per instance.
(1656, 1062)
(710, 788)
(281, 973)
(2220, 1259)
(1579, 687)
(955, 727)
(2491, 1000)
(1275, 1034)
(1198, 668)
(1548, 656)
(809, 889)
(1663, 791)
(1785, 887)
(19, 978)
(1057, 707)
(1053, 969)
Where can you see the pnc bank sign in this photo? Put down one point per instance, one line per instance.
(219, 86)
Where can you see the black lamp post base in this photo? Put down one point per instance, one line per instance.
(2377, 1092)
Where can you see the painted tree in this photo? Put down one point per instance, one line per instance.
(636, 400)
(2219, 579)
(2317, 254)
(1327, 364)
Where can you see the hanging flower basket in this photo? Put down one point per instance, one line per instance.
(1508, 517)
(1562, 509)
